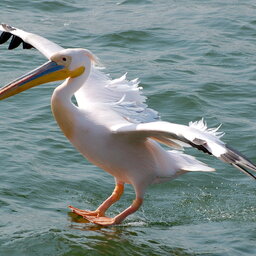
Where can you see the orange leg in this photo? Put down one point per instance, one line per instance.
(106, 221)
(100, 211)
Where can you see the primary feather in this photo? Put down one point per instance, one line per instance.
(43, 45)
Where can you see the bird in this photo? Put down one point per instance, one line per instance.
(112, 126)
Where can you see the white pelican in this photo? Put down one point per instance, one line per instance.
(113, 127)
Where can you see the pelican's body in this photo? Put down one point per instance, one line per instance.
(88, 129)
(113, 127)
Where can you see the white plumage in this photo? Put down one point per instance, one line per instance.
(120, 95)
(112, 125)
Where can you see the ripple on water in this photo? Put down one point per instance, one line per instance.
(194, 58)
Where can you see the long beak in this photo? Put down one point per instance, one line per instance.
(48, 72)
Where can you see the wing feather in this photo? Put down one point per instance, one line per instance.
(119, 95)
(29, 40)
(196, 135)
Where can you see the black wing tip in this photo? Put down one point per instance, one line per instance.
(239, 161)
(27, 45)
(242, 158)
(242, 169)
(15, 41)
(4, 37)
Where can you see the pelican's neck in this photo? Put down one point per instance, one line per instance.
(67, 89)
(63, 109)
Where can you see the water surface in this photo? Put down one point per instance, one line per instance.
(194, 59)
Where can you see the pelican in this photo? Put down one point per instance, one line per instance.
(112, 126)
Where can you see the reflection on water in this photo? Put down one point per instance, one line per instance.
(124, 239)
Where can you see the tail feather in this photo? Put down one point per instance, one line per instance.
(189, 163)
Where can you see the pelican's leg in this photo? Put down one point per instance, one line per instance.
(106, 221)
(100, 211)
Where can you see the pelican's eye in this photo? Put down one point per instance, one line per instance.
(62, 59)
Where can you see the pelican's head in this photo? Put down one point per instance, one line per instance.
(68, 63)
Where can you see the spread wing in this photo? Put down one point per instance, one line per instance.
(120, 95)
(28, 40)
(196, 135)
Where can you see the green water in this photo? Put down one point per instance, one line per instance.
(194, 59)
